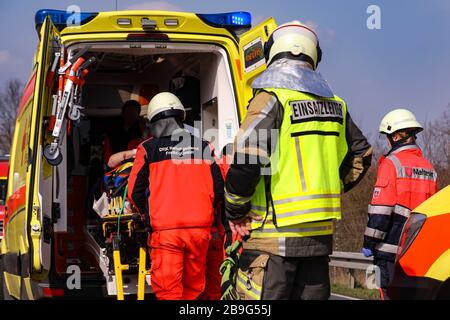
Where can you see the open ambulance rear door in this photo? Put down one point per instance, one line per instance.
(40, 222)
(30, 228)
(251, 45)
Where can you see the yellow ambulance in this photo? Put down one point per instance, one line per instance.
(86, 66)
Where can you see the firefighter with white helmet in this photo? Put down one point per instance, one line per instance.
(296, 151)
(294, 39)
(399, 119)
(175, 184)
(404, 180)
(165, 105)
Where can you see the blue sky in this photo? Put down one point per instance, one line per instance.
(405, 64)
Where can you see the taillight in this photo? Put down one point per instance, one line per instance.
(53, 292)
(410, 231)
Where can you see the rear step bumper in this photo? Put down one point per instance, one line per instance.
(91, 287)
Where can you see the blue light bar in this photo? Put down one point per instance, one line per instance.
(230, 19)
(60, 18)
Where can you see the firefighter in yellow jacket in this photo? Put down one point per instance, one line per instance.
(295, 153)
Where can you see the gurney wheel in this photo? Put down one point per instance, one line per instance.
(54, 158)
(74, 114)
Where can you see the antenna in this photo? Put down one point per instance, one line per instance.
(116, 5)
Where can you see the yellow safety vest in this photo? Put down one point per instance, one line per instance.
(305, 184)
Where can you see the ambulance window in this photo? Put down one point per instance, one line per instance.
(21, 139)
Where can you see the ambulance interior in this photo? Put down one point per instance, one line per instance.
(122, 72)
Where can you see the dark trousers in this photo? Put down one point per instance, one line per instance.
(290, 278)
(386, 274)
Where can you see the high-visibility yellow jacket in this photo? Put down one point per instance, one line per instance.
(305, 184)
(318, 153)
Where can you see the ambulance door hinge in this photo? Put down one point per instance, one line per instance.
(48, 229)
(56, 212)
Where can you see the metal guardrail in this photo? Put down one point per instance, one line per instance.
(350, 260)
(353, 261)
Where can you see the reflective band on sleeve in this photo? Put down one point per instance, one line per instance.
(385, 247)
(235, 199)
(374, 233)
(306, 211)
(300, 164)
(403, 211)
(384, 210)
(308, 197)
(260, 117)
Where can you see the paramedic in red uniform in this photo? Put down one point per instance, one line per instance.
(405, 179)
(175, 184)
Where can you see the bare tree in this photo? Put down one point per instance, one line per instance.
(435, 143)
(9, 102)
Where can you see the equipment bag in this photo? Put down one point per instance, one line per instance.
(113, 200)
(117, 179)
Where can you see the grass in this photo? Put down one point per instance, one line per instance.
(359, 293)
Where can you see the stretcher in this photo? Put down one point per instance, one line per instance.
(143, 273)
(128, 240)
(67, 102)
(125, 236)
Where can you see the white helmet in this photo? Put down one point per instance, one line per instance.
(165, 105)
(294, 38)
(399, 119)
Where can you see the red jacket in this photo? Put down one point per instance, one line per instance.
(405, 179)
(175, 184)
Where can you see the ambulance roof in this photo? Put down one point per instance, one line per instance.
(230, 23)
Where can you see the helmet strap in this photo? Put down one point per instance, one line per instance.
(319, 53)
(396, 144)
(267, 46)
(171, 113)
(288, 55)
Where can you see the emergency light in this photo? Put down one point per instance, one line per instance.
(230, 19)
(62, 19)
